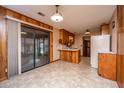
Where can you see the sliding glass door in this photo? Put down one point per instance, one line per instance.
(41, 50)
(34, 48)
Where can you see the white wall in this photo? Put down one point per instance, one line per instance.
(56, 44)
(78, 42)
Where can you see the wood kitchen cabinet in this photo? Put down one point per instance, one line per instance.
(66, 37)
(107, 65)
(104, 29)
(70, 56)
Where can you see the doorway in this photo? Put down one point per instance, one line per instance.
(86, 46)
(34, 48)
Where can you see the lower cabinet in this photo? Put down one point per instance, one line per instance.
(107, 66)
(70, 56)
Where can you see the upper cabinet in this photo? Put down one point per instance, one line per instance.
(66, 38)
(104, 28)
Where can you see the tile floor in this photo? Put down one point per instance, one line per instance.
(60, 75)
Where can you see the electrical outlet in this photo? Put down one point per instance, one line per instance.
(6, 70)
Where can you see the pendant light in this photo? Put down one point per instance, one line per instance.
(57, 16)
(87, 32)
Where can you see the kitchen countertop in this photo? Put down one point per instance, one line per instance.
(108, 52)
(69, 49)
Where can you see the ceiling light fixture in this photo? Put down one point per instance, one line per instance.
(87, 32)
(24, 33)
(57, 16)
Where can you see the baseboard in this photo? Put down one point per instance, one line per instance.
(55, 60)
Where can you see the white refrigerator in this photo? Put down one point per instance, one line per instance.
(99, 44)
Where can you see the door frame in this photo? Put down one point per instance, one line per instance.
(83, 44)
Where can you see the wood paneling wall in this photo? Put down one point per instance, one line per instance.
(3, 48)
(120, 46)
(7, 12)
(107, 65)
(22, 17)
(51, 47)
(3, 36)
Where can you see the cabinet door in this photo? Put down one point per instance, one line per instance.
(66, 38)
(77, 56)
(69, 56)
(61, 35)
(61, 55)
(105, 29)
(73, 57)
(65, 53)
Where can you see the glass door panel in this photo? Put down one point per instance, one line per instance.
(27, 51)
(46, 48)
(38, 50)
(41, 50)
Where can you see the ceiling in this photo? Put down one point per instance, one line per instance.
(77, 18)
